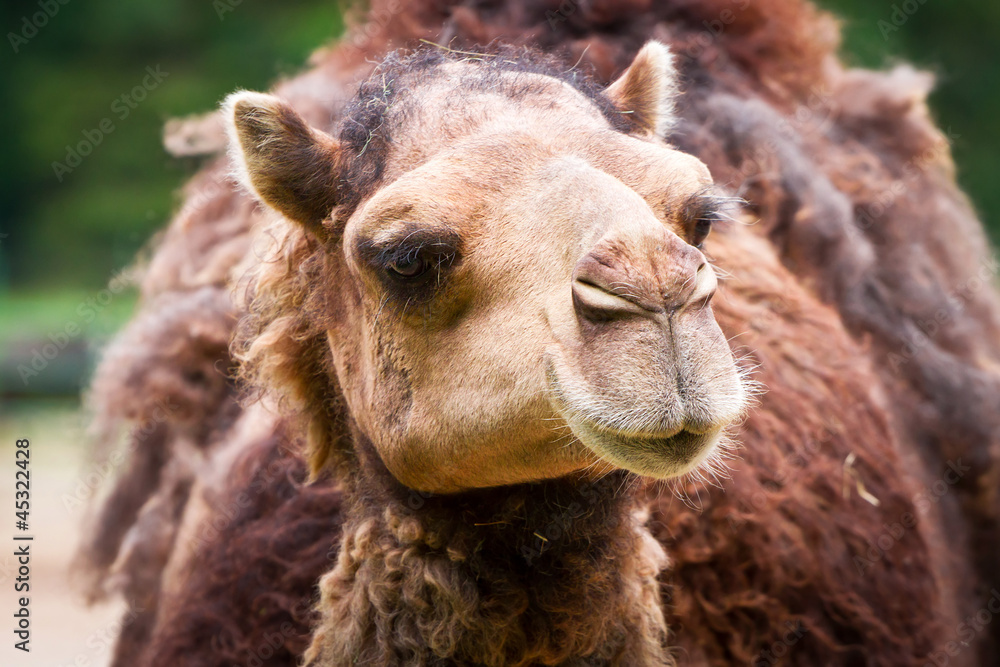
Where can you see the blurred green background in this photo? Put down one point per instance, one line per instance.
(64, 235)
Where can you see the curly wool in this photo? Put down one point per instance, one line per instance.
(423, 579)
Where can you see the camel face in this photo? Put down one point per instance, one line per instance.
(521, 295)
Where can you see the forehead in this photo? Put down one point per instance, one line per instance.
(466, 133)
(413, 105)
(460, 101)
(474, 180)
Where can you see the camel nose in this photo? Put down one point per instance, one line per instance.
(652, 277)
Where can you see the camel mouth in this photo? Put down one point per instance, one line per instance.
(659, 456)
(646, 446)
(653, 451)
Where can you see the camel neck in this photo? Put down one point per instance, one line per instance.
(558, 572)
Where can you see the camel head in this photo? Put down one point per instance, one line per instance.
(515, 286)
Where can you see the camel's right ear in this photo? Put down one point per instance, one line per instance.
(291, 166)
(648, 89)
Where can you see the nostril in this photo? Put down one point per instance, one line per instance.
(705, 285)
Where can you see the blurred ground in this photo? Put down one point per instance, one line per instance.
(64, 632)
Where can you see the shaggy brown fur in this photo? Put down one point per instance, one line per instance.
(419, 579)
(265, 514)
(863, 293)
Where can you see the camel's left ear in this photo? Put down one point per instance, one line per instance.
(291, 166)
(647, 89)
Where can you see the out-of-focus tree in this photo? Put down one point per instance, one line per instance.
(957, 40)
(67, 64)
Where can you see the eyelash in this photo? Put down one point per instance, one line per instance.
(436, 260)
(436, 253)
(405, 258)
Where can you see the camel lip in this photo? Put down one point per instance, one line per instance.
(681, 436)
(648, 436)
(658, 457)
(681, 439)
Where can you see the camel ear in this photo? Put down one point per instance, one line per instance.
(290, 166)
(647, 89)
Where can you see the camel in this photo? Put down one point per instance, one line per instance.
(492, 305)
(493, 315)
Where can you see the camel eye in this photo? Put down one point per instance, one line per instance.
(414, 263)
(702, 226)
(699, 212)
(410, 266)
